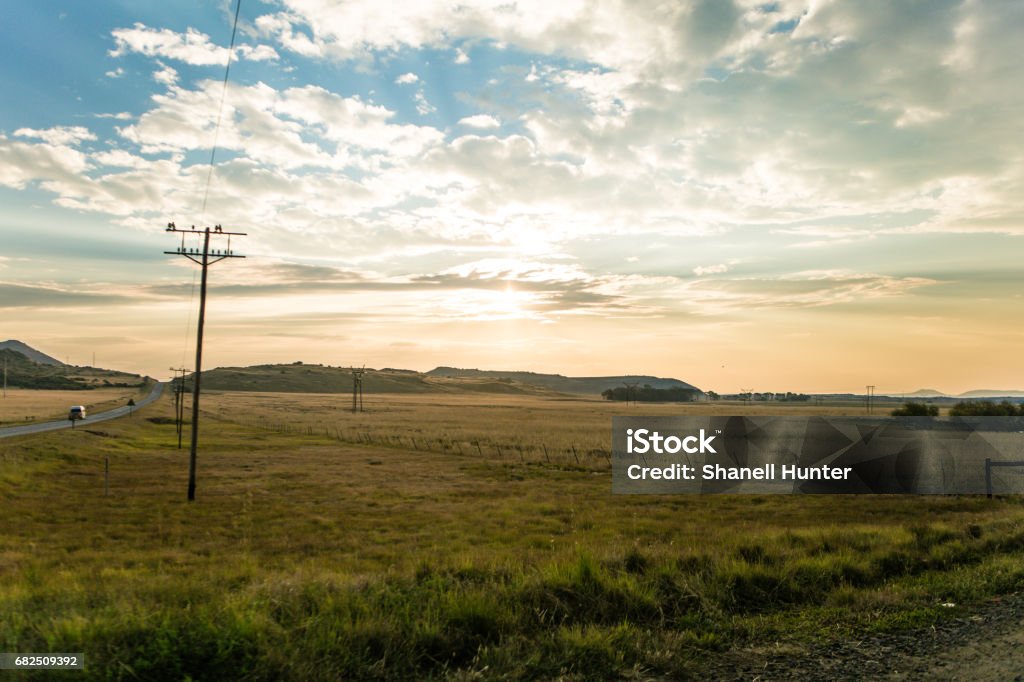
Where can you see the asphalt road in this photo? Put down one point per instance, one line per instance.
(9, 431)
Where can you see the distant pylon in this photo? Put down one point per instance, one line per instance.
(357, 388)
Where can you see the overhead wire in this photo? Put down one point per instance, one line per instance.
(209, 172)
(220, 108)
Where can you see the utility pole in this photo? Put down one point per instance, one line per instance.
(5, 376)
(205, 259)
(869, 397)
(630, 391)
(179, 400)
(357, 388)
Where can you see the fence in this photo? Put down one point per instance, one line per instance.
(572, 454)
(989, 466)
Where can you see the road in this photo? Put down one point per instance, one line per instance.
(10, 431)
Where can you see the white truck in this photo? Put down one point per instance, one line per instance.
(77, 412)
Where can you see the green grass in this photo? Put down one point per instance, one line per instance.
(306, 558)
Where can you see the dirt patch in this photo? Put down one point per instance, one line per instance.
(987, 644)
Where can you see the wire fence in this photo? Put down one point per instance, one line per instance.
(563, 454)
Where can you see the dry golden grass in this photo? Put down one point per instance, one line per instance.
(573, 430)
(309, 558)
(24, 405)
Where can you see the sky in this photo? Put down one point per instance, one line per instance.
(794, 195)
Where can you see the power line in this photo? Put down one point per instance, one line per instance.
(220, 108)
(205, 259)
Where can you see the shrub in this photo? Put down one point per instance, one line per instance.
(912, 409)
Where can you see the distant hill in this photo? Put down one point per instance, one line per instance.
(926, 393)
(562, 384)
(30, 353)
(301, 378)
(23, 372)
(967, 395)
(992, 394)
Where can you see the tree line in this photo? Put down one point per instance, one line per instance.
(969, 408)
(648, 394)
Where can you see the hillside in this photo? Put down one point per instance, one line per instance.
(926, 393)
(22, 372)
(300, 378)
(988, 393)
(30, 352)
(562, 384)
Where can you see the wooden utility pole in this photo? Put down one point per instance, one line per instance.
(357, 388)
(179, 400)
(205, 259)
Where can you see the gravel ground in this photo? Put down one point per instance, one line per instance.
(985, 644)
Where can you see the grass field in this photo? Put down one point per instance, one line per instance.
(521, 428)
(22, 405)
(325, 545)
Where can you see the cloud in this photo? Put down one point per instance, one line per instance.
(480, 121)
(22, 163)
(19, 295)
(115, 73)
(423, 106)
(407, 79)
(60, 135)
(166, 75)
(700, 271)
(807, 289)
(190, 47)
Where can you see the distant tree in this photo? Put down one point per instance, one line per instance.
(647, 394)
(713, 396)
(986, 408)
(912, 409)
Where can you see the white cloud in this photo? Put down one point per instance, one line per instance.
(191, 47)
(115, 73)
(407, 79)
(461, 57)
(480, 121)
(700, 271)
(423, 106)
(22, 163)
(166, 75)
(60, 135)
(809, 289)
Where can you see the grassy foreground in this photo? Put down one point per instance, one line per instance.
(306, 557)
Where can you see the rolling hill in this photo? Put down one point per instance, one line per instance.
(25, 371)
(30, 353)
(301, 378)
(562, 384)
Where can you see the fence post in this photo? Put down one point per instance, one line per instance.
(988, 477)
